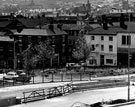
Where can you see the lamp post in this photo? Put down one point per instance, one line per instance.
(129, 67)
(14, 52)
(129, 43)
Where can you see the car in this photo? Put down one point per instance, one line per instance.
(132, 81)
(2, 76)
(11, 75)
(23, 77)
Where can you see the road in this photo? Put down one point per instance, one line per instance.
(88, 97)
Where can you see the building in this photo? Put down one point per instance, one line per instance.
(33, 36)
(126, 38)
(104, 47)
(6, 51)
(72, 31)
(110, 47)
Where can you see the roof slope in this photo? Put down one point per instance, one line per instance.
(113, 30)
(41, 32)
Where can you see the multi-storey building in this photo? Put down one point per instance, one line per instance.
(72, 31)
(111, 47)
(103, 45)
(34, 36)
(126, 44)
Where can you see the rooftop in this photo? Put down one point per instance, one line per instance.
(113, 30)
(5, 38)
(41, 32)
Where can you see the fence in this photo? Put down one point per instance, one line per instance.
(41, 94)
(51, 77)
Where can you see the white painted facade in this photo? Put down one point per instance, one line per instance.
(102, 45)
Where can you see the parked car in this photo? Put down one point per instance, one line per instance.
(2, 75)
(132, 80)
(23, 77)
(11, 75)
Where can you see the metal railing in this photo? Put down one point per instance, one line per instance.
(29, 96)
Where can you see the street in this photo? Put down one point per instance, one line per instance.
(88, 97)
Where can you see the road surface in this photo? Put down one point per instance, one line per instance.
(88, 97)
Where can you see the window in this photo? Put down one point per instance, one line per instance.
(63, 47)
(102, 47)
(63, 38)
(69, 49)
(53, 46)
(63, 58)
(92, 47)
(29, 38)
(92, 38)
(92, 61)
(126, 40)
(110, 38)
(1, 49)
(109, 61)
(10, 49)
(70, 42)
(39, 38)
(110, 48)
(53, 39)
(102, 37)
(123, 40)
(69, 58)
(20, 38)
(97, 45)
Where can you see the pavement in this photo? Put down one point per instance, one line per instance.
(5, 91)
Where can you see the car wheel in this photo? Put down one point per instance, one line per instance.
(132, 83)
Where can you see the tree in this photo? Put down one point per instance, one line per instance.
(37, 55)
(82, 50)
(45, 52)
(30, 58)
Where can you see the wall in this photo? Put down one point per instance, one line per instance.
(107, 54)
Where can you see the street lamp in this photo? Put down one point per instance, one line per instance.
(129, 43)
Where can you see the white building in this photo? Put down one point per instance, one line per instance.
(104, 47)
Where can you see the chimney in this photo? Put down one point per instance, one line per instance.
(51, 27)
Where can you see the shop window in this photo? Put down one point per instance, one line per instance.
(109, 61)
